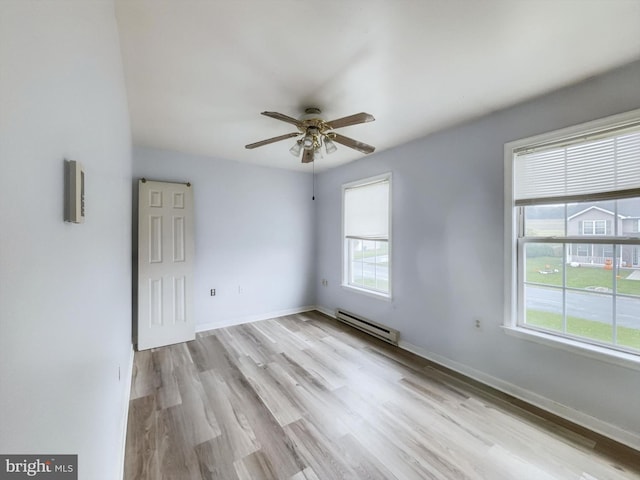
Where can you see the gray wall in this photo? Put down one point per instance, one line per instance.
(64, 289)
(448, 253)
(254, 235)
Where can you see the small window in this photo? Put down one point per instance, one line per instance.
(367, 245)
(573, 263)
(594, 227)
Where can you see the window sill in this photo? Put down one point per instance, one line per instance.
(369, 293)
(622, 359)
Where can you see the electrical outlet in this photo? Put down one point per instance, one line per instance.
(324, 282)
(477, 323)
(213, 292)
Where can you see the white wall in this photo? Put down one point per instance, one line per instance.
(253, 235)
(448, 254)
(65, 315)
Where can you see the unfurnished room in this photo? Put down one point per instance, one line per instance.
(296, 240)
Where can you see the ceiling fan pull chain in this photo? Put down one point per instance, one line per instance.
(313, 179)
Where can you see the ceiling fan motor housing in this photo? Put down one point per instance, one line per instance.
(313, 127)
(311, 118)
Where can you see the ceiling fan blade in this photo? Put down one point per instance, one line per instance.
(284, 118)
(307, 156)
(351, 143)
(272, 140)
(355, 119)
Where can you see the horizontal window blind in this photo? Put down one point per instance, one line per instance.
(366, 211)
(599, 166)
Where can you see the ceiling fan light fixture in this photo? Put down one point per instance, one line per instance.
(329, 146)
(296, 149)
(307, 142)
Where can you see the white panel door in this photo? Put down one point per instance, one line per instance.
(165, 264)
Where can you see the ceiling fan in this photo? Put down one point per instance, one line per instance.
(314, 132)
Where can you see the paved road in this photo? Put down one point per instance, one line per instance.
(369, 268)
(586, 305)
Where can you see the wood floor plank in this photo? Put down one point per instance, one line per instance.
(177, 459)
(329, 372)
(319, 453)
(208, 353)
(391, 454)
(180, 355)
(214, 459)
(268, 433)
(144, 381)
(314, 402)
(256, 465)
(235, 427)
(271, 392)
(361, 461)
(289, 322)
(417, 436)
(141, 461)
(198, 420)
(304, 397)
(306, 474)
(506, 460)
(168, 394)
(252, 343)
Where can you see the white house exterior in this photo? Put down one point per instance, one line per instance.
(597, 221)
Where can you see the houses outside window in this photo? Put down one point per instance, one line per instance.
(366, 235)
(574, 246)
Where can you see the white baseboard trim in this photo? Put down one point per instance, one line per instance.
(125, 414)
(229, 322)
(603, 428)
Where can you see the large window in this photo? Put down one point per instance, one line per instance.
(367, 249)
(575, 202)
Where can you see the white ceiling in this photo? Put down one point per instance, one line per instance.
(198, 73)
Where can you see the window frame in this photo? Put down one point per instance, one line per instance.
(513, 227)
(346, 264)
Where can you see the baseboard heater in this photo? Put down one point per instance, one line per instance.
(378, 330)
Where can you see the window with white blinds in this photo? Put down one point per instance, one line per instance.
(595, 166)
(367, 250)
(366, 210)
(573, 248)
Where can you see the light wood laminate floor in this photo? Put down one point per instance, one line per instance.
(304, 397)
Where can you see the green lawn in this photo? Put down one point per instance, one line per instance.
(627, 337)
(578, 277)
